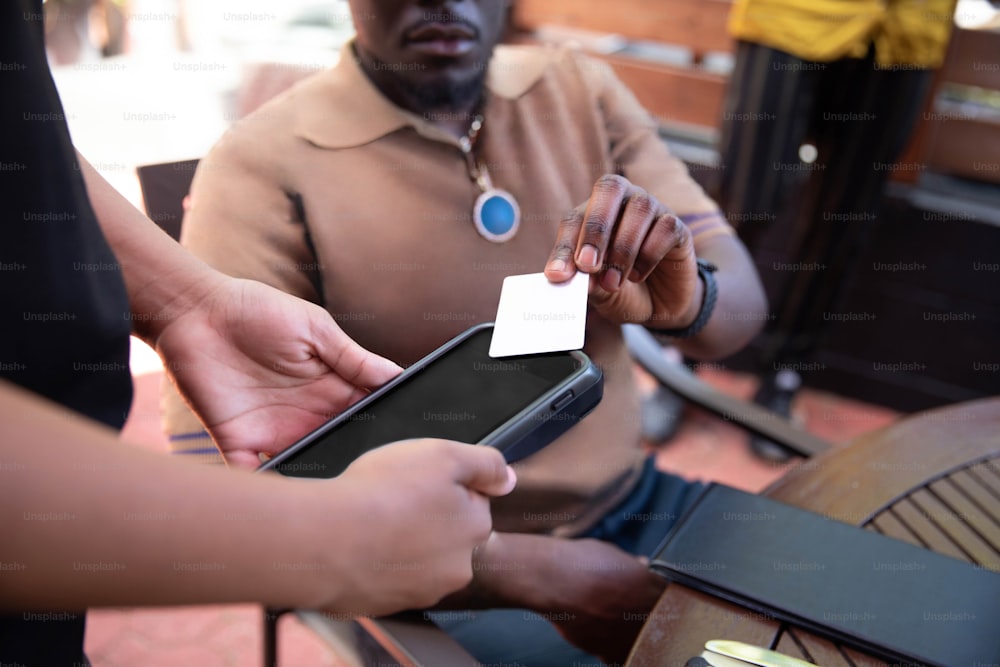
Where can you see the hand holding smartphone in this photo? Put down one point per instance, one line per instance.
(458, 392)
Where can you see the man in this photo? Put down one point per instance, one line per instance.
(383, 190)
(88, 522)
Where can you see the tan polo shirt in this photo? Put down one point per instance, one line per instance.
(334, 194)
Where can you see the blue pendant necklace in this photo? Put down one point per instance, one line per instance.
(495, 214)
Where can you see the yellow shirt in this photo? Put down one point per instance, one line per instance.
(905, 32)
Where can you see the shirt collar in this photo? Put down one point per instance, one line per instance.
(363, 114)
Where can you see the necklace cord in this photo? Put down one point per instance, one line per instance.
(477, 168)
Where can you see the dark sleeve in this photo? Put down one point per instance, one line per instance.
(64, 306)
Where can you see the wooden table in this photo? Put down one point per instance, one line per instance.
(932, 480)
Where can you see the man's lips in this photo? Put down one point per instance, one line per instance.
(442, 39)
(427, 32)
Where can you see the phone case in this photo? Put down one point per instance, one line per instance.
(536, 425)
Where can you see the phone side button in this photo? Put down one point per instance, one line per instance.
(563, 400)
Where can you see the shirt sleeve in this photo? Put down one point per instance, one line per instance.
(244, 221)
(643, 157)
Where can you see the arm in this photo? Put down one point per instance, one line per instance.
(162, 280)
(260, 368)
(595, 594)
(741, 309)
(90, 522)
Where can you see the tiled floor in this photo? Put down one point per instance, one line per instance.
(705, 448)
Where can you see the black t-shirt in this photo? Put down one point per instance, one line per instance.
(62, 300)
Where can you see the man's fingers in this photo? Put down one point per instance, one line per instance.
(667, 233)
(603, 211)
(640, 212)
(484, 470)
(560, 265)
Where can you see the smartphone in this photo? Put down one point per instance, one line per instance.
(458, 392)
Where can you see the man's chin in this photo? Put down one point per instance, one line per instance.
(447, 90)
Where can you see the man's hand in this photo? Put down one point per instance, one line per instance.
(640, 257)
(423, 509)
(262, 368)
(607, 595)
(596, 595)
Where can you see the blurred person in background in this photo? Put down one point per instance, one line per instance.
(849, 77)
(83, 30)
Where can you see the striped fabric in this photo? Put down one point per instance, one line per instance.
(197, 446)
(859, 117)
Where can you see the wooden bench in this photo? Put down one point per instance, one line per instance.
(956, 140)
(688, 97)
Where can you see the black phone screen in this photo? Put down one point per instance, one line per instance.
(463, 395)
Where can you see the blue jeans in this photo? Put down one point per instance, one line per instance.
(522, 638)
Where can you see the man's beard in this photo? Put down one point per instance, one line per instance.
(447, 94)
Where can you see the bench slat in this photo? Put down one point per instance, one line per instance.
(988, 527)
(953, 523)
(696, 24)
(672, 93)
